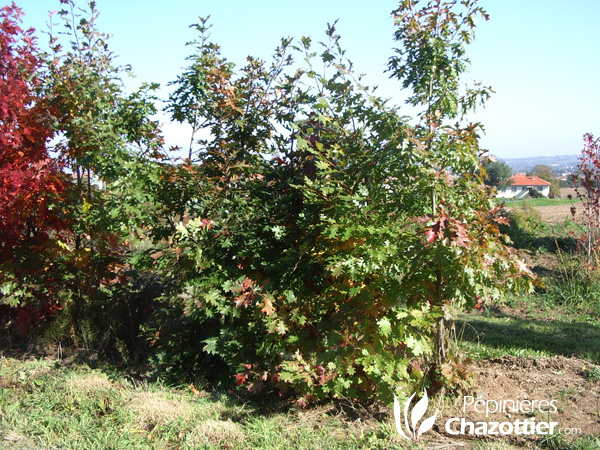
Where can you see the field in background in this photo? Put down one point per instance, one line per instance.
(552, 210)
(557, 213)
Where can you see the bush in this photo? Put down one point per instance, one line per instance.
(366, 233)
(574, 285)
(528, 219)
(525, 226)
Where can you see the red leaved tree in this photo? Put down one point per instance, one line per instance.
(587, 180)
(31, 183)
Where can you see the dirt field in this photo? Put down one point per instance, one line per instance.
(555, 214)
(557, 379)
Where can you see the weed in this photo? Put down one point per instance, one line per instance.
(558, 442)
(585, 443)
(569, 393)
(592, 373)
(525, 224)
(554, 442)
(574, 285)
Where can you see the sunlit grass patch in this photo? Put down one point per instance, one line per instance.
(46, 405)
(481, 445)
(537, 202)
(151, 410)
(488, 336)
(216, 433)
(90, 383)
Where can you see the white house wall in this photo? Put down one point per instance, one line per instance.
(521, 191)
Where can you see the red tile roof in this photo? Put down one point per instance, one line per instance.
(523, 180)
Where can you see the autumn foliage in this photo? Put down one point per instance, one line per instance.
(31, 183)
(313, 241)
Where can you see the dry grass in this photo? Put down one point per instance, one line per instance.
(15, 441)
(82, 409)
(90, 383)
(219, 433)
(155, 409)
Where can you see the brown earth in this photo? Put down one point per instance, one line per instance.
(509, 378)
(556, 213)
(566, 191)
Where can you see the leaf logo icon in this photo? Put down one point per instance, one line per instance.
(418, 411)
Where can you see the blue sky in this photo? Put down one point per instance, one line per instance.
(540, 56)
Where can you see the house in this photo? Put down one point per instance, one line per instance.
(519, 185)
(95, 182)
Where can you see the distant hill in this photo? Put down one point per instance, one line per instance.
(559, 163)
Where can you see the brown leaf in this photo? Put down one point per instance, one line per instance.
(195, 391)
(268, 308)
(502, 220)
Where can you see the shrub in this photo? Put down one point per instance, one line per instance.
(332, 266)
(317, 241)
(525, 225)
(574, 285)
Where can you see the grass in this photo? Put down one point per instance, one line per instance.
(491, 335)
(493, 446)
(47, 405)
(561, 318)
(557, 442)
(542, 201)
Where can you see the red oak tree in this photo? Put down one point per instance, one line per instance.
(30, 181)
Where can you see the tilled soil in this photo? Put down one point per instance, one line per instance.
(557, 213)
(551, 382)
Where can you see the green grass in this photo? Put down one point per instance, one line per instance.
(558, 442)
(489, 336)
(542, 201)
(45, 405)
(554, 321)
